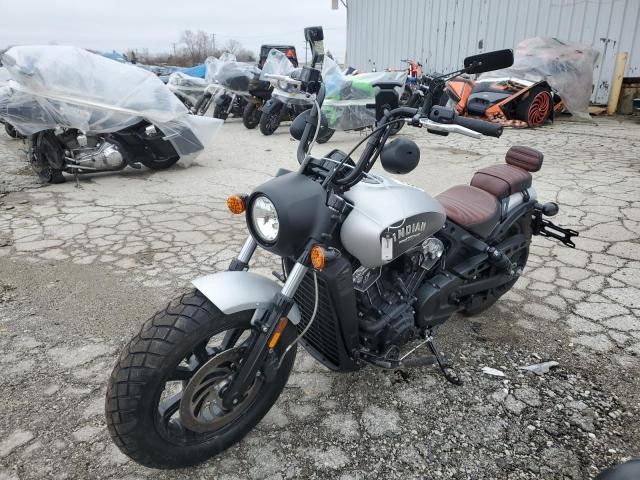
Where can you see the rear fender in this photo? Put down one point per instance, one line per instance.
(234, 292)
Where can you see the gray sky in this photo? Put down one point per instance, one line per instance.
(156, 24)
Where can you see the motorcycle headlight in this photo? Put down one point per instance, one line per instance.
(264, 219)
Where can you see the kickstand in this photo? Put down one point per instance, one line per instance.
(76, 176)
(448, 372)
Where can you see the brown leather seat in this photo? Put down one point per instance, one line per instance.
(470, 207)
(502, 180)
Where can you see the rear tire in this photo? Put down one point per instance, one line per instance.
(153, 358)
(160, 164)
(484, 300)
(47, 157)
(536, 107)
(251, 116)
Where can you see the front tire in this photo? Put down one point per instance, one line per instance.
(269, 122)
(12, 132)
(251, 116)
(170, 350)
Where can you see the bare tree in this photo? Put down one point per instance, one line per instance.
(198, 45)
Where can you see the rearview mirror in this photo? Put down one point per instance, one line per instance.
(486, 62)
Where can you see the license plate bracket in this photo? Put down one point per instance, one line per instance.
(549, 229)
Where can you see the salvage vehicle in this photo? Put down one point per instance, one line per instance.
(505, 99)
(368, 265)
(548, 77)
(107, 117)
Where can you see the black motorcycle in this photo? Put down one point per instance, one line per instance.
(52, 153)
(369, 264)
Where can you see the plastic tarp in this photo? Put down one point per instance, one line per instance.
(198, 71)
(4, 76)
(567, 68)
(226, 73)
(63, 86)
(347, 96)
(277, 63)
(186, 87)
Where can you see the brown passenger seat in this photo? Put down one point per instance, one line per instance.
(476, 207)
(504, 180)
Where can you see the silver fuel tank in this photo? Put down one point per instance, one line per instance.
(388, 219)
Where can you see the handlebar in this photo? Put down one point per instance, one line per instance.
(488, 129)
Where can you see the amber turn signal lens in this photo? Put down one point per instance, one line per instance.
(236, 204)
(275, 338)
(318, 257)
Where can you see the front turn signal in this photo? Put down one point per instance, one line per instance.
(275, 338)
(237, 204)
(318, 257)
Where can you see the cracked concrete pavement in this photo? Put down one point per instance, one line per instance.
(82, 268)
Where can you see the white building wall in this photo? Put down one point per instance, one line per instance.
(440, 33)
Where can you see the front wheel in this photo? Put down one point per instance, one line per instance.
(163, 402)
(251, 116)
(11, 131)
(269, 122)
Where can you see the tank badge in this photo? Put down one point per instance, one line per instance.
(387, 246)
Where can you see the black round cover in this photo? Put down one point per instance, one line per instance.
(297, 126)
(400, 156)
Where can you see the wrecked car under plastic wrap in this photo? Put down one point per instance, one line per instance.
(347, 96)
(68, 87)
(567, 67)
(186, 87)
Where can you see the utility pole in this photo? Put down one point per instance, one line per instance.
(213, 43)
(174, 49)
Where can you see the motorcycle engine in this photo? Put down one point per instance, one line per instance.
(97, 153)
(385, 297)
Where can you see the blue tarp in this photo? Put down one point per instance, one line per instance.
(198, 71)
(117, 56)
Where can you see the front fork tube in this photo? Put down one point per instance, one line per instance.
(241, 262)
(264, 322)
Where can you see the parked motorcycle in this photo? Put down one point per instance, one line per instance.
(106, 117)
(287, 100)
(368, 265)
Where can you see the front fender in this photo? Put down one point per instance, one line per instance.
(234, 292)
(273, 105)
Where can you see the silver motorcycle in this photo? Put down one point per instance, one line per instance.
(369, 266)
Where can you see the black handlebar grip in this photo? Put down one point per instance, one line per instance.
(488, 129)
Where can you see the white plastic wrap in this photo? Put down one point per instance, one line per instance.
(213, 66)
(567, 68)
(278, 64)
(347, 96)
(186, 87)
(72, 88)
(238, 77)
(4, 76)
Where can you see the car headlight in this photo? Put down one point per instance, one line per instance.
(264, 219)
